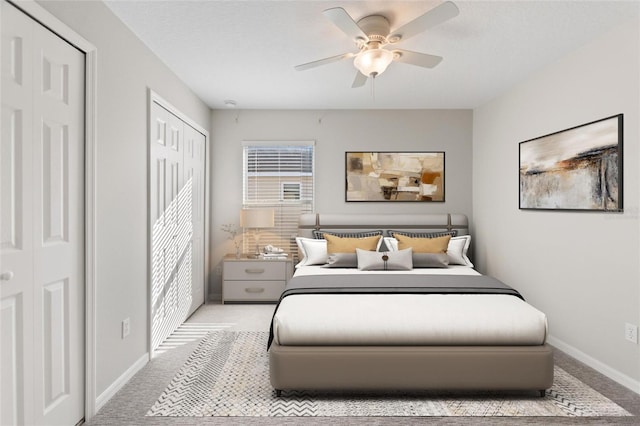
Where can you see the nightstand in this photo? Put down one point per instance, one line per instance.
(254, 280)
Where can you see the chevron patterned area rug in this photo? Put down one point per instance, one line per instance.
(228, 375)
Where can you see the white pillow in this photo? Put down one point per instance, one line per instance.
(457, 249)
(399, 260)
(314, 252)
(391, 243)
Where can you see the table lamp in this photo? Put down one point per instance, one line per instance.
(257, 219)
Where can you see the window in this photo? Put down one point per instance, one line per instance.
(278, 175)
(291, 191)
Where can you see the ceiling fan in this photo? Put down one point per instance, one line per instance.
(372, 33)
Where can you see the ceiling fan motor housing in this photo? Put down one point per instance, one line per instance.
(376, 27)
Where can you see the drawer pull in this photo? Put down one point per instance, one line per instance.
(254, 271)
(254, 290)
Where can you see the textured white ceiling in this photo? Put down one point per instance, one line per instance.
(246, 50)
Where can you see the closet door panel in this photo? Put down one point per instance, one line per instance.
(162, 233)
(58, 226)
(42, 233)
(194, 173)
(16, 207)
(177, 203)
(170, 205)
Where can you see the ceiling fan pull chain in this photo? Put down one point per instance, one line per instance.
(373, 88)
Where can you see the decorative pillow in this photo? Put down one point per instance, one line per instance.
(430, 260)
(453, 233)
(457, 251)
(342, 260)
(314, 252)
(391, 243)
(319, 234)
(384, 261)
(349, 245)
(423, 245)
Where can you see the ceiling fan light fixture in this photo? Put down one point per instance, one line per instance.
(373, 62)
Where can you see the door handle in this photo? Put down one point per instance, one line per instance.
(6, 276)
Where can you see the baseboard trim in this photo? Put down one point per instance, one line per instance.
(105, 396)
(599, 366)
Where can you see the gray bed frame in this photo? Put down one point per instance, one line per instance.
(409, 368)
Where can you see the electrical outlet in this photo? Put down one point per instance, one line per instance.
(631, 333)
(126, 327)
(218, 271)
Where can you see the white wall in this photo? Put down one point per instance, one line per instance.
(581, 269)
(335, 132)
(126, 68)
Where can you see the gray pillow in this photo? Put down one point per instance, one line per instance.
(453, 233)
(430, 260)
(319, 234)
(400, 260)
(341, 260)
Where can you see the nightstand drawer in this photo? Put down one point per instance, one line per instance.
(252, 290)
(265, 270)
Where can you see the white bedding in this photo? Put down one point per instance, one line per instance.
(403, 319)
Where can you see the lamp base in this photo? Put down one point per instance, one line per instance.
(257, 237)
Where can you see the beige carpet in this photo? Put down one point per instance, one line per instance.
(228, 375)
(131, 404)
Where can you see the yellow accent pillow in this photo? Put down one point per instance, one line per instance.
(423, 245)
(349, 245)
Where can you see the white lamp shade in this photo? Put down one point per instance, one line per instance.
(257, 218)
(373, 61)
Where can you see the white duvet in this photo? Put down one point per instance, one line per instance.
(407, 319)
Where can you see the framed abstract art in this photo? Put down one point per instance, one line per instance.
(575, 169)
(394, 176)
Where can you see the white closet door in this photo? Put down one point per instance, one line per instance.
(42, 175)
(177, 221)
(58, 229)
(16, 255)
(162, 224)
(194, 168)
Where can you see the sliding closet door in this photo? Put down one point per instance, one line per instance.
(177, 219)
(16, 255)
(194, 166)
(42, 213)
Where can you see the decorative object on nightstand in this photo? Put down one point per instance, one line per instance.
(254, 280)
(270, 252)
(232, 230)
(257, 219)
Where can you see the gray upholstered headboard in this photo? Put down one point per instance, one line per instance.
(362, 222)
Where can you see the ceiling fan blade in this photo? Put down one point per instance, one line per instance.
(359, 81)
(324, 61)
(433, 17)
(415, 58)
(345, 22)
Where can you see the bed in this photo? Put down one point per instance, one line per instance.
(337, 327)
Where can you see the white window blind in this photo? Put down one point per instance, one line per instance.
(278, 175)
